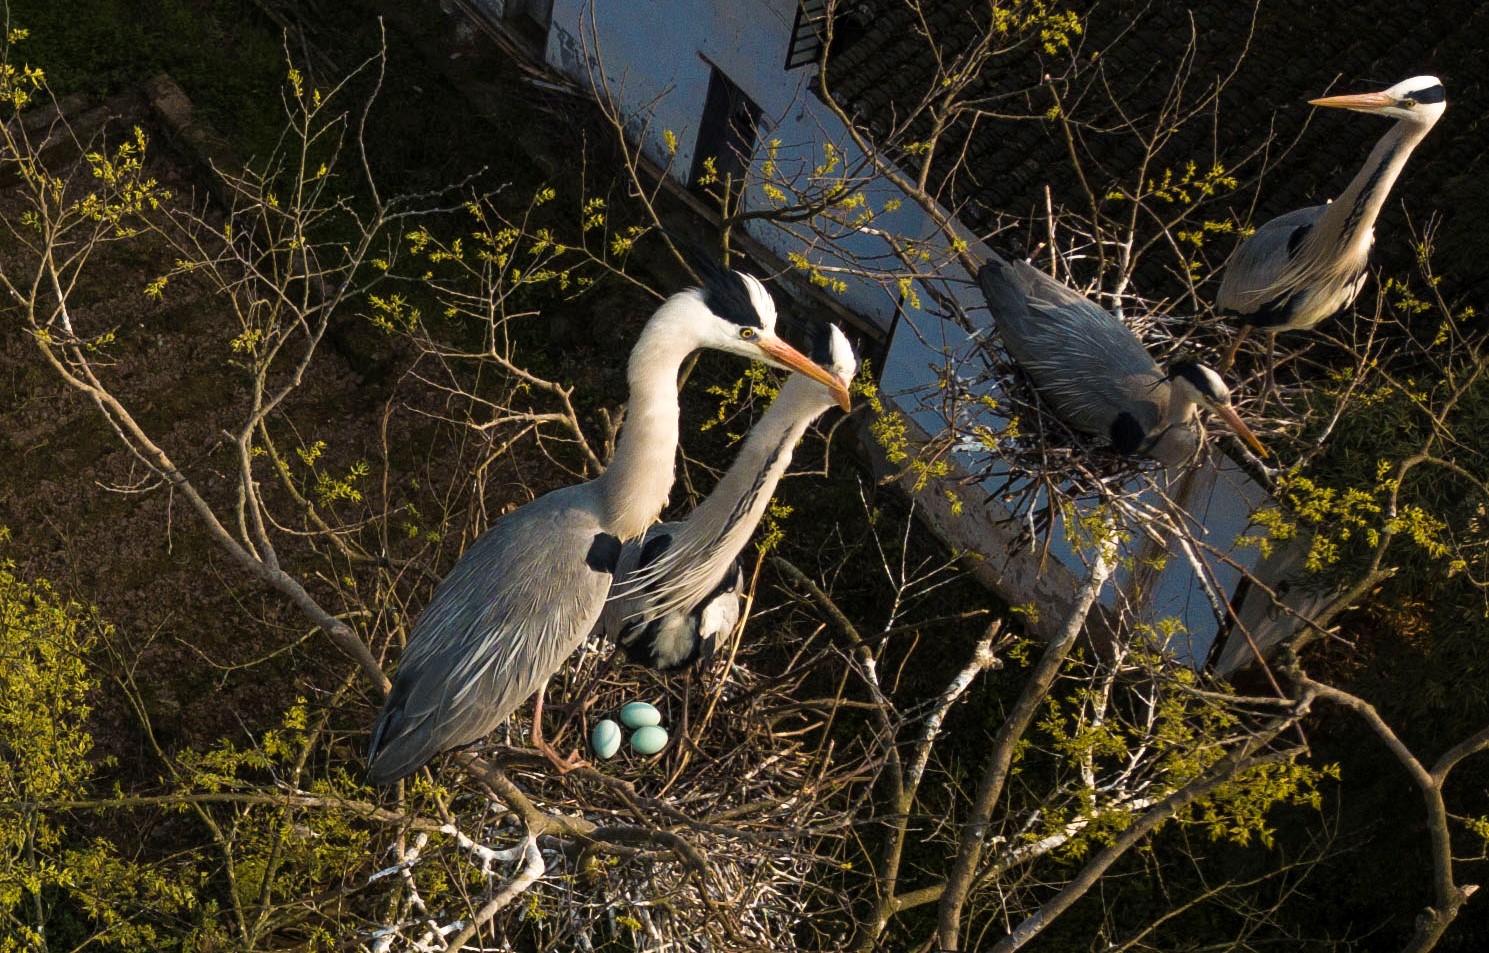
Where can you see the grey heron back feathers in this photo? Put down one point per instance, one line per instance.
(1087, 366)
(518, 601)
(677, 640)
(1094, 373)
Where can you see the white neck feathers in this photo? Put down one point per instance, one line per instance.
(635, 486)
(715, 533)
(1351, 217)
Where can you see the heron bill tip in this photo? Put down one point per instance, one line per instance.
(1233, 420)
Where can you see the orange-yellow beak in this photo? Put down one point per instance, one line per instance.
(1233, 420)
(1364, 102)
(789, 357)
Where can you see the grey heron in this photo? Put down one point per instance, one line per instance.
(1302, 267)
(523, 596)
(1095, 374)
(679, 589)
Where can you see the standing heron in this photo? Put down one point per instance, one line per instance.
(1096, 375)
(679, 590)
(1302, 267)
(529, 589)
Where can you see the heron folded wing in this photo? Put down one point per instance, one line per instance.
(516, 604)
(1267, 266)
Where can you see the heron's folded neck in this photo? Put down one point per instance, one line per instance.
(635, 486)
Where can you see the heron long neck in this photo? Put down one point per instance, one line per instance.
(715, 533)
(730, 513)
(634, 487)
(1348, 222)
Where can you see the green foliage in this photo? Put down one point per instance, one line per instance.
(18, 84)
(1056, 29)
(1373, 486)
(268, 857)
(756, 381)
(44, 747)
(772, 526)
(52, 886)
(890, 429)
(42, 665)
(1333, 518)
(478, 274)
(1158, 739)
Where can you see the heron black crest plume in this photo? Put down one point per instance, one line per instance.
(727, 293)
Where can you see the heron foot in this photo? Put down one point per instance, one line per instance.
(564, 765)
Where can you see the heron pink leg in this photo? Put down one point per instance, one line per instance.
(1235, 346)
(564, 765)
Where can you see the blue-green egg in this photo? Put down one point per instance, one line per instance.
(640, 715)
(604, 739)
(649, 739)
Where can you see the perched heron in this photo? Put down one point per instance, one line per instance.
(524, 595)
(678, 591)
(1095, 374)
(1302, 267)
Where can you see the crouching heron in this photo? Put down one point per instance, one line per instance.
(1096, 375)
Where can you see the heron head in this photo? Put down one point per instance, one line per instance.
(739, 317)
(1420, 99)
(829, 348)
(1203, 386)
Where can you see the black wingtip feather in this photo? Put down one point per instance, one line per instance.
(383, 767)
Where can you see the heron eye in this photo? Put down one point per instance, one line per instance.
(1408, 103)
(746, 333)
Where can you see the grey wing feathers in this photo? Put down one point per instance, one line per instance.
(1256, 274)
(674, 638)
(1085, 363)
(515, 605)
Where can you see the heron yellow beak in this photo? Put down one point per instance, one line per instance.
(1363, 102)
(789, 357)
(1233, 420)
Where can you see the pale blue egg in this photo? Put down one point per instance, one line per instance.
(649, 739)
(640, 715)
(604, 739)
